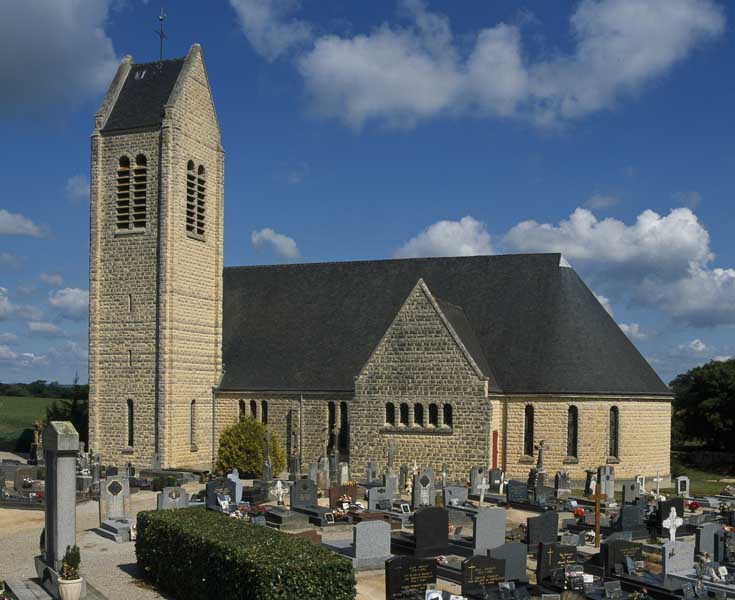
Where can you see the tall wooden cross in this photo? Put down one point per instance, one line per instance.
(597, 498)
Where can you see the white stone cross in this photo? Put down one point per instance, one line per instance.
(658, 481)
(482, 487)
(673, 523)
(415, 467)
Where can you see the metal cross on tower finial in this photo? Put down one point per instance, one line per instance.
(161, 35)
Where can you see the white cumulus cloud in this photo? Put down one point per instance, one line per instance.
(8, 338)
(71, 58)
(17, 224)
(605, 301)
(77, 188)
(466, 237)
(72, 303)
(266, 25)
(634, 331)
(401, 74)
(284, 247)
(52, 279)
(45, 329)
(601, 201)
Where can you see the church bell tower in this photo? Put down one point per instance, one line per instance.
(155, 272)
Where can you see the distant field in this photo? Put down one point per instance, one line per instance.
(17, 415)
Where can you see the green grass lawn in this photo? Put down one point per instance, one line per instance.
(703, 483)
(17, 415)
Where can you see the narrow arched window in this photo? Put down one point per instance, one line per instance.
(390, 413)
(191, 197)
(254, 409)
(122, 204)
(433, 415)
(344, 428)
(140, 189)
(528, 431)
(264, 412)
(241, 410)
(572, 431)
(418, 415)
(131, 424)
(192, 423)
(404, 414)
(331, 424)
(614, 432)
(448, 415)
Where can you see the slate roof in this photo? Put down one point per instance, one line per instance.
(143, 95)
(531, 325)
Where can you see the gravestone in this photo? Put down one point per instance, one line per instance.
(371, 544)
(170, 498)
(405, 575)
(313, 471)
(480, 574)
(613, 590)
(708, 536)
(322, 476)
(496, 481)
(371, 472)
(391, 483)
(402, 477)
(618, 552)
(476, 475)
(343, 473)
(562, 485)
(423, 489)
(514, 554)
(590, 483)
(631, 492)
(220, 494)
(235, 478)
(682, 486)
(606, 481)
(631, 516)
(488, 529)
(678, 557)
(431, 531)
(23, 473)
(542, 529)
(665, 506)
(552, 559)
(379, 499)
(455, 495)
(303, 494)
(516, 492)
(115, 499)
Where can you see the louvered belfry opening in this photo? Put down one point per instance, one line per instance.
(132, 187)
(196, 192)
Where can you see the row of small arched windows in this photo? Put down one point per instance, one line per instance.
(573, 432)
(418, 413)
(131, 211)
(252, 410)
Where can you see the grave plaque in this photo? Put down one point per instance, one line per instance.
(516, 492)
(682, 486)
(423, 489)
(616, 552)
(23, 473)
(542, 529)
(631, 492)
(431, 531)
(631, 517)
(514, 554)
(303, 494)
(480, 573)
(455, 495)
(405, 575)
(115, 499)
(371, 543)
(379, 499)
(552, 559)
(220, 491)
(172, 498)
(613, 590)
(678, 557)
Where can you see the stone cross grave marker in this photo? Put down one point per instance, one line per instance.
(279, 492)
(423, 489)
(115, 499)
(483, 487)
(672, 523)
(657, 480)
(235, 478)
(641, 483)
(267, 466)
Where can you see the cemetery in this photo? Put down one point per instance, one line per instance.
(416, 534)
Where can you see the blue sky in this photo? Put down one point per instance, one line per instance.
(359, 130)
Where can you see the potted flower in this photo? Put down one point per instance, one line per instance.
(70, 583)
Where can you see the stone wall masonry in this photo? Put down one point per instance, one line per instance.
(644, 435)
(419, 362)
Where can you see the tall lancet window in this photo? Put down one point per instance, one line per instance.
(614, 432)
(528, 431)
(193, 424)
(572, 431)
(131, 424)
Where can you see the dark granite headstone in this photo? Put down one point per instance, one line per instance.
(514, 554)
(405, 575)
(664, 508)
(631, 492)
(303, 494)
(552, 559)
(613, 590)
(631, 516)
(516, 492)
(480, 574)
(220, 489)
(708, 536)
(616, 552)
(496, 480)
(543, 529)
(431, 531)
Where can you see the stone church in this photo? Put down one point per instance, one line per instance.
(459, 361)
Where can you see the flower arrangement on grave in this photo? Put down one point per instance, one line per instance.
(579, 513)
(693, 506)
(70, 563)
(441, 560)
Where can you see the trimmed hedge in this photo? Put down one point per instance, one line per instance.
(194, 553)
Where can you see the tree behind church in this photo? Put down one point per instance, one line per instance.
(242, 447)
(704, 405)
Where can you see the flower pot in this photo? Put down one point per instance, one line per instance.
(70, 589)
